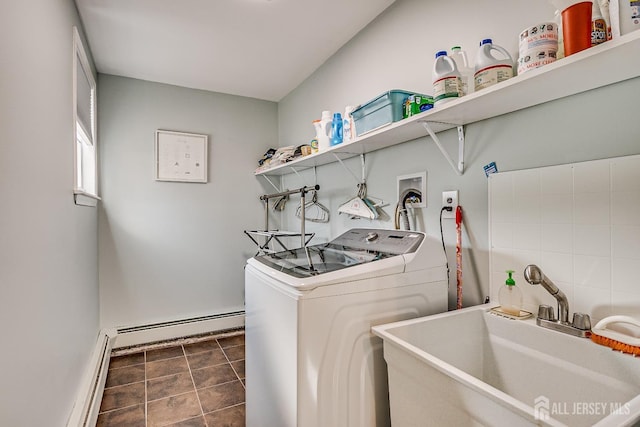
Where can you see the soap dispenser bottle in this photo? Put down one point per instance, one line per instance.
(510, 296)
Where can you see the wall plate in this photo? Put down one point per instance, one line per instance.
(417, 181)
(450, 198)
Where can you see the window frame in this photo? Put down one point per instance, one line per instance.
(82, 195)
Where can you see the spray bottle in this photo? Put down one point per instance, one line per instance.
(598, 25)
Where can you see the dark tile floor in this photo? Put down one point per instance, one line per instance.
(200, 384)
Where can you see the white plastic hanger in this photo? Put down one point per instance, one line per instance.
(360, 206)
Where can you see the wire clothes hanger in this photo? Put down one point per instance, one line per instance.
(313, 210)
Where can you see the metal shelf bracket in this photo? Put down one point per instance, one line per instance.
(272, 184)
(362, 164)
(459, 168)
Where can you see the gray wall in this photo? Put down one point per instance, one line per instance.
(170, 250)
(48, 247)
(396, 52)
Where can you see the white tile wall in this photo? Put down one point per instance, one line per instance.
(580, 223)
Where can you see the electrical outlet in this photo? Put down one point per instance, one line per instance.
(450, 198)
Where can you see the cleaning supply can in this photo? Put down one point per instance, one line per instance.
(490, 69)
(447, 84)
(598, 25)
(538, 46)
(465, 69)
(336, 129)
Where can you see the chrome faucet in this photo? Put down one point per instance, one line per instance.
(534, 276)
(581, 324)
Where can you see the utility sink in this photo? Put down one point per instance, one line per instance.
(471, 367)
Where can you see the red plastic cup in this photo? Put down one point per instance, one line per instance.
(576, 27)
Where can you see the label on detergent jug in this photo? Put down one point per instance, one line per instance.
(492, 75)
(447, 87)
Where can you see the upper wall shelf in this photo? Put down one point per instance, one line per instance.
(611, 62)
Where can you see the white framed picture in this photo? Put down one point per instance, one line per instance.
(181, 156)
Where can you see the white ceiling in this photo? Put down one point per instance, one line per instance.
(258, 48)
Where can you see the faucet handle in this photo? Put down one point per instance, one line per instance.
(581, 321)
(546, 312)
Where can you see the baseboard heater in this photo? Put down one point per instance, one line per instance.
(87, 406)
(154, 332)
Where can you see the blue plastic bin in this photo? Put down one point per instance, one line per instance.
(380, 111)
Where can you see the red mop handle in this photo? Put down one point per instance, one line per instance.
(459, 255)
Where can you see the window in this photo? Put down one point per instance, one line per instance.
(84, 125)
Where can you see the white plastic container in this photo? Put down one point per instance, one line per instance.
(447, 84)
(323, 131)
(465, 69)
(348, 126)
(491, 69)
(557, 18)
(625, 17)
(538, 46)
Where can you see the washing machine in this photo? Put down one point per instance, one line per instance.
(311, 359)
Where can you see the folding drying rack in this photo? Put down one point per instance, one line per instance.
(270, 236)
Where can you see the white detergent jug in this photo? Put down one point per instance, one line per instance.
(323, 130)
(447, 85)
(489, 68)
(466, 71)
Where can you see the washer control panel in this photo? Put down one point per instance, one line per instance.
(394, 242)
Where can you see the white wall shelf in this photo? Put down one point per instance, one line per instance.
(609, 63)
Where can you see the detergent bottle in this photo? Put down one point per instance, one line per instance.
(490, 69)
(466, 72)
(323, 129)
(336, 129)
(447, 84)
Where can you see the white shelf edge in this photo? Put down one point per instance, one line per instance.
(489, 103)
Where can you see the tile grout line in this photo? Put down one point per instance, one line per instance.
(231, 364)
(120, 408)
(227, 407)
(125, 366)
(122, 385)
(194, 386)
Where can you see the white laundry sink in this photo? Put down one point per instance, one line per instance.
(471, 367)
